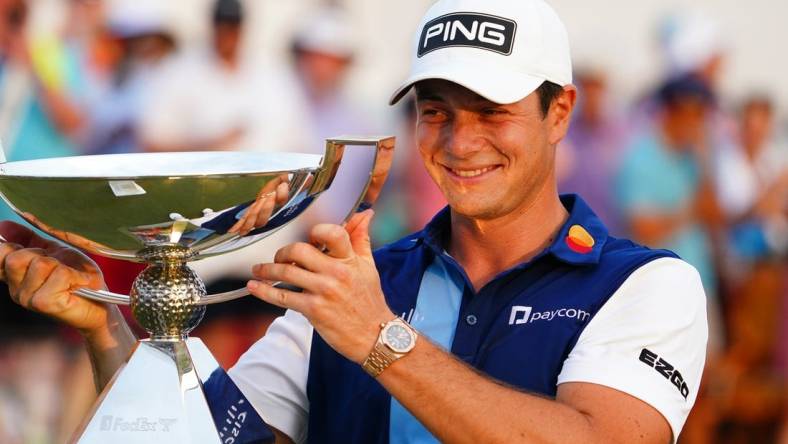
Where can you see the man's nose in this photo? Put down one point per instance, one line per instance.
(464, 137)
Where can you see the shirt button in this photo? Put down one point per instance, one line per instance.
(471, 320)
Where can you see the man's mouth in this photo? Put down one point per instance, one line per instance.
(469, 173)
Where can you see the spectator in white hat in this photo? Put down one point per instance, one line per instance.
(323, 51)
(146, 39)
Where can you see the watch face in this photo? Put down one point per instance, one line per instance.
(398, 338)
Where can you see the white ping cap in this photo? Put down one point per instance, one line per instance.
(500, 49)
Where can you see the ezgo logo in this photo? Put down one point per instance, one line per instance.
(523, 315)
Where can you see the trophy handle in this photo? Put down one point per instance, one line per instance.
(384, 154)
(241, 292)
(103, 296)
(223, 297)
(381, 165)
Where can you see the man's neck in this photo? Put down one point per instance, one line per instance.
(486, 248)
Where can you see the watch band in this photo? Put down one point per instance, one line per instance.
(382, 355)
(378, 360)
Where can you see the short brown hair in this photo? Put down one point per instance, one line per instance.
(548, 92)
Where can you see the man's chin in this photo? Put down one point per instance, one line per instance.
(476, 210)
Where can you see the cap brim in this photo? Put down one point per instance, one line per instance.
(499, 86)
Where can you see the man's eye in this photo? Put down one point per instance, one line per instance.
(493, 111)
(432, 115)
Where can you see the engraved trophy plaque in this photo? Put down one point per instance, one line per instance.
(165, 210)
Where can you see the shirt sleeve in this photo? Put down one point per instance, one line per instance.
(648, 340)
(272, 375)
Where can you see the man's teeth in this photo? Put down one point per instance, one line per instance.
(471, 173)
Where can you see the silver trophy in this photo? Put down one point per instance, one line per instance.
(165, 210)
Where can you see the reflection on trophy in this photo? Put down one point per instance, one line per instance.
(165, 210)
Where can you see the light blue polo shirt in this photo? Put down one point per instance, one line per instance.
(435, 316)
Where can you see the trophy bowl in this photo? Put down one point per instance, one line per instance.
(165, 210)
(122, 205)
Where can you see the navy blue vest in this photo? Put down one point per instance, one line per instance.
(519, 328)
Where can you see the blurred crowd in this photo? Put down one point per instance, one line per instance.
(682, 167)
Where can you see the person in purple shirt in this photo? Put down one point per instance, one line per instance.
(588, 157)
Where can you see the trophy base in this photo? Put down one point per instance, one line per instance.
(156, 396)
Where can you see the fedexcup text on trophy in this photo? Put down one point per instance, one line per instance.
(111, 423)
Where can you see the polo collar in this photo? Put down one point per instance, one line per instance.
(582, 237)
(580, 240)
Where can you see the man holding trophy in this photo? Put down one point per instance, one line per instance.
(512, 317)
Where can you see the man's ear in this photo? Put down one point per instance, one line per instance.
(560, 114)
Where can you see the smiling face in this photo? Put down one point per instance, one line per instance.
(489, 160)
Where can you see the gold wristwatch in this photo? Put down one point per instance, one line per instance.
(395, 340)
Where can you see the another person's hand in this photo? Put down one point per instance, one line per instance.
(706, 207)
(41, 275)
(773, 201)
(342, 297)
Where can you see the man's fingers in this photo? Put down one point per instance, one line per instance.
(300, 302)
(305, 255)
(6, 248)
(292, 274)
(359, 233)
(39, 270)
(60, 280)
(356, 219)
(16, 265)
(335, 239)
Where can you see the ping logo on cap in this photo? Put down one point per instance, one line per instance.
(468, 29)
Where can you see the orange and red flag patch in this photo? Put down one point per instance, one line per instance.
(579, 240)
